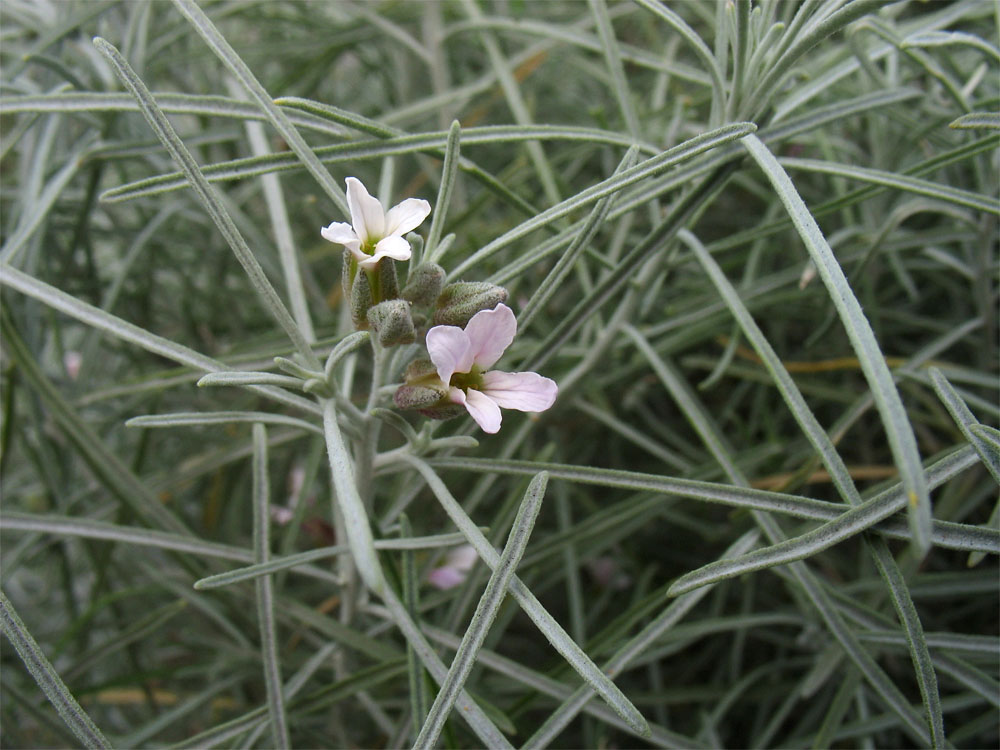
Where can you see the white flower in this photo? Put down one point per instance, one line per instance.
(374, 234)
(462, 358)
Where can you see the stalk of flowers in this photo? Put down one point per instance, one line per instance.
(473, 325)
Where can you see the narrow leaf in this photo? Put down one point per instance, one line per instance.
(133, 334)
(485, 614)
(186, 419)
(551, 629)
(977, 121)
(217, 43)
(206, 194)
(887, 399)
(265, 595)
(47, 678)
(449, 171)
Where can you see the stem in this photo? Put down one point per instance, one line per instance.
(369, 439)
(359, 537)
(375, 284)
(355, 518)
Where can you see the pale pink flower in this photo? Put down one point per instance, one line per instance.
(462, 358)
(808, 274)
(72, 361)
(283, 514)
(373, 233)
(458, 563)
(608, 573)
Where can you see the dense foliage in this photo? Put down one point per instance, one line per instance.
(754, 243)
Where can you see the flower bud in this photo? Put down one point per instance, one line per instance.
(463, 299)
(391, 322)
(416, 245)
(425, 284)
(423, 371)
(348, 270)
(361, 301)
(388, 284)
(424, 392)
(417, 396)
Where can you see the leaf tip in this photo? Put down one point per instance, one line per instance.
(678, 587)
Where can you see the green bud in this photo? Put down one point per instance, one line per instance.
(428, 401)
(458, 302)
(425, 284)
(417, 396)
(420, 370)
(348, 270)
(424, 392)
(388, 284)
(361, 301)
(416, 245)
(392, 323)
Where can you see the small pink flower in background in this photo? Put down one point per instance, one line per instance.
(282, 514)
(608, 573)
(458, 563)
(462, 358)
(373, 233)
(72, 361)
(808, 274)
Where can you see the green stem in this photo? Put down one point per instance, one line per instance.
(355, 518)
(375, 284)
(365, 457)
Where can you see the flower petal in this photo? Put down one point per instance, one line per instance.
(392, 247)
(490, 332)
(484, 410)
(406, 216)
(462, 557)
(341, 233)
(448, 347)
(524, 391)
(446, 577)
(364, 259)
(367, 215)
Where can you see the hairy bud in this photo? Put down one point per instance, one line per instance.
(424, 392)
(425, 284)
(391, 322)
(361, 301)
(388, 284)
(458, 302)
(416, 397)
(348, 270)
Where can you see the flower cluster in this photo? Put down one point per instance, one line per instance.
(471, 326)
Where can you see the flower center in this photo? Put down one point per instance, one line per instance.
(466, 380)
